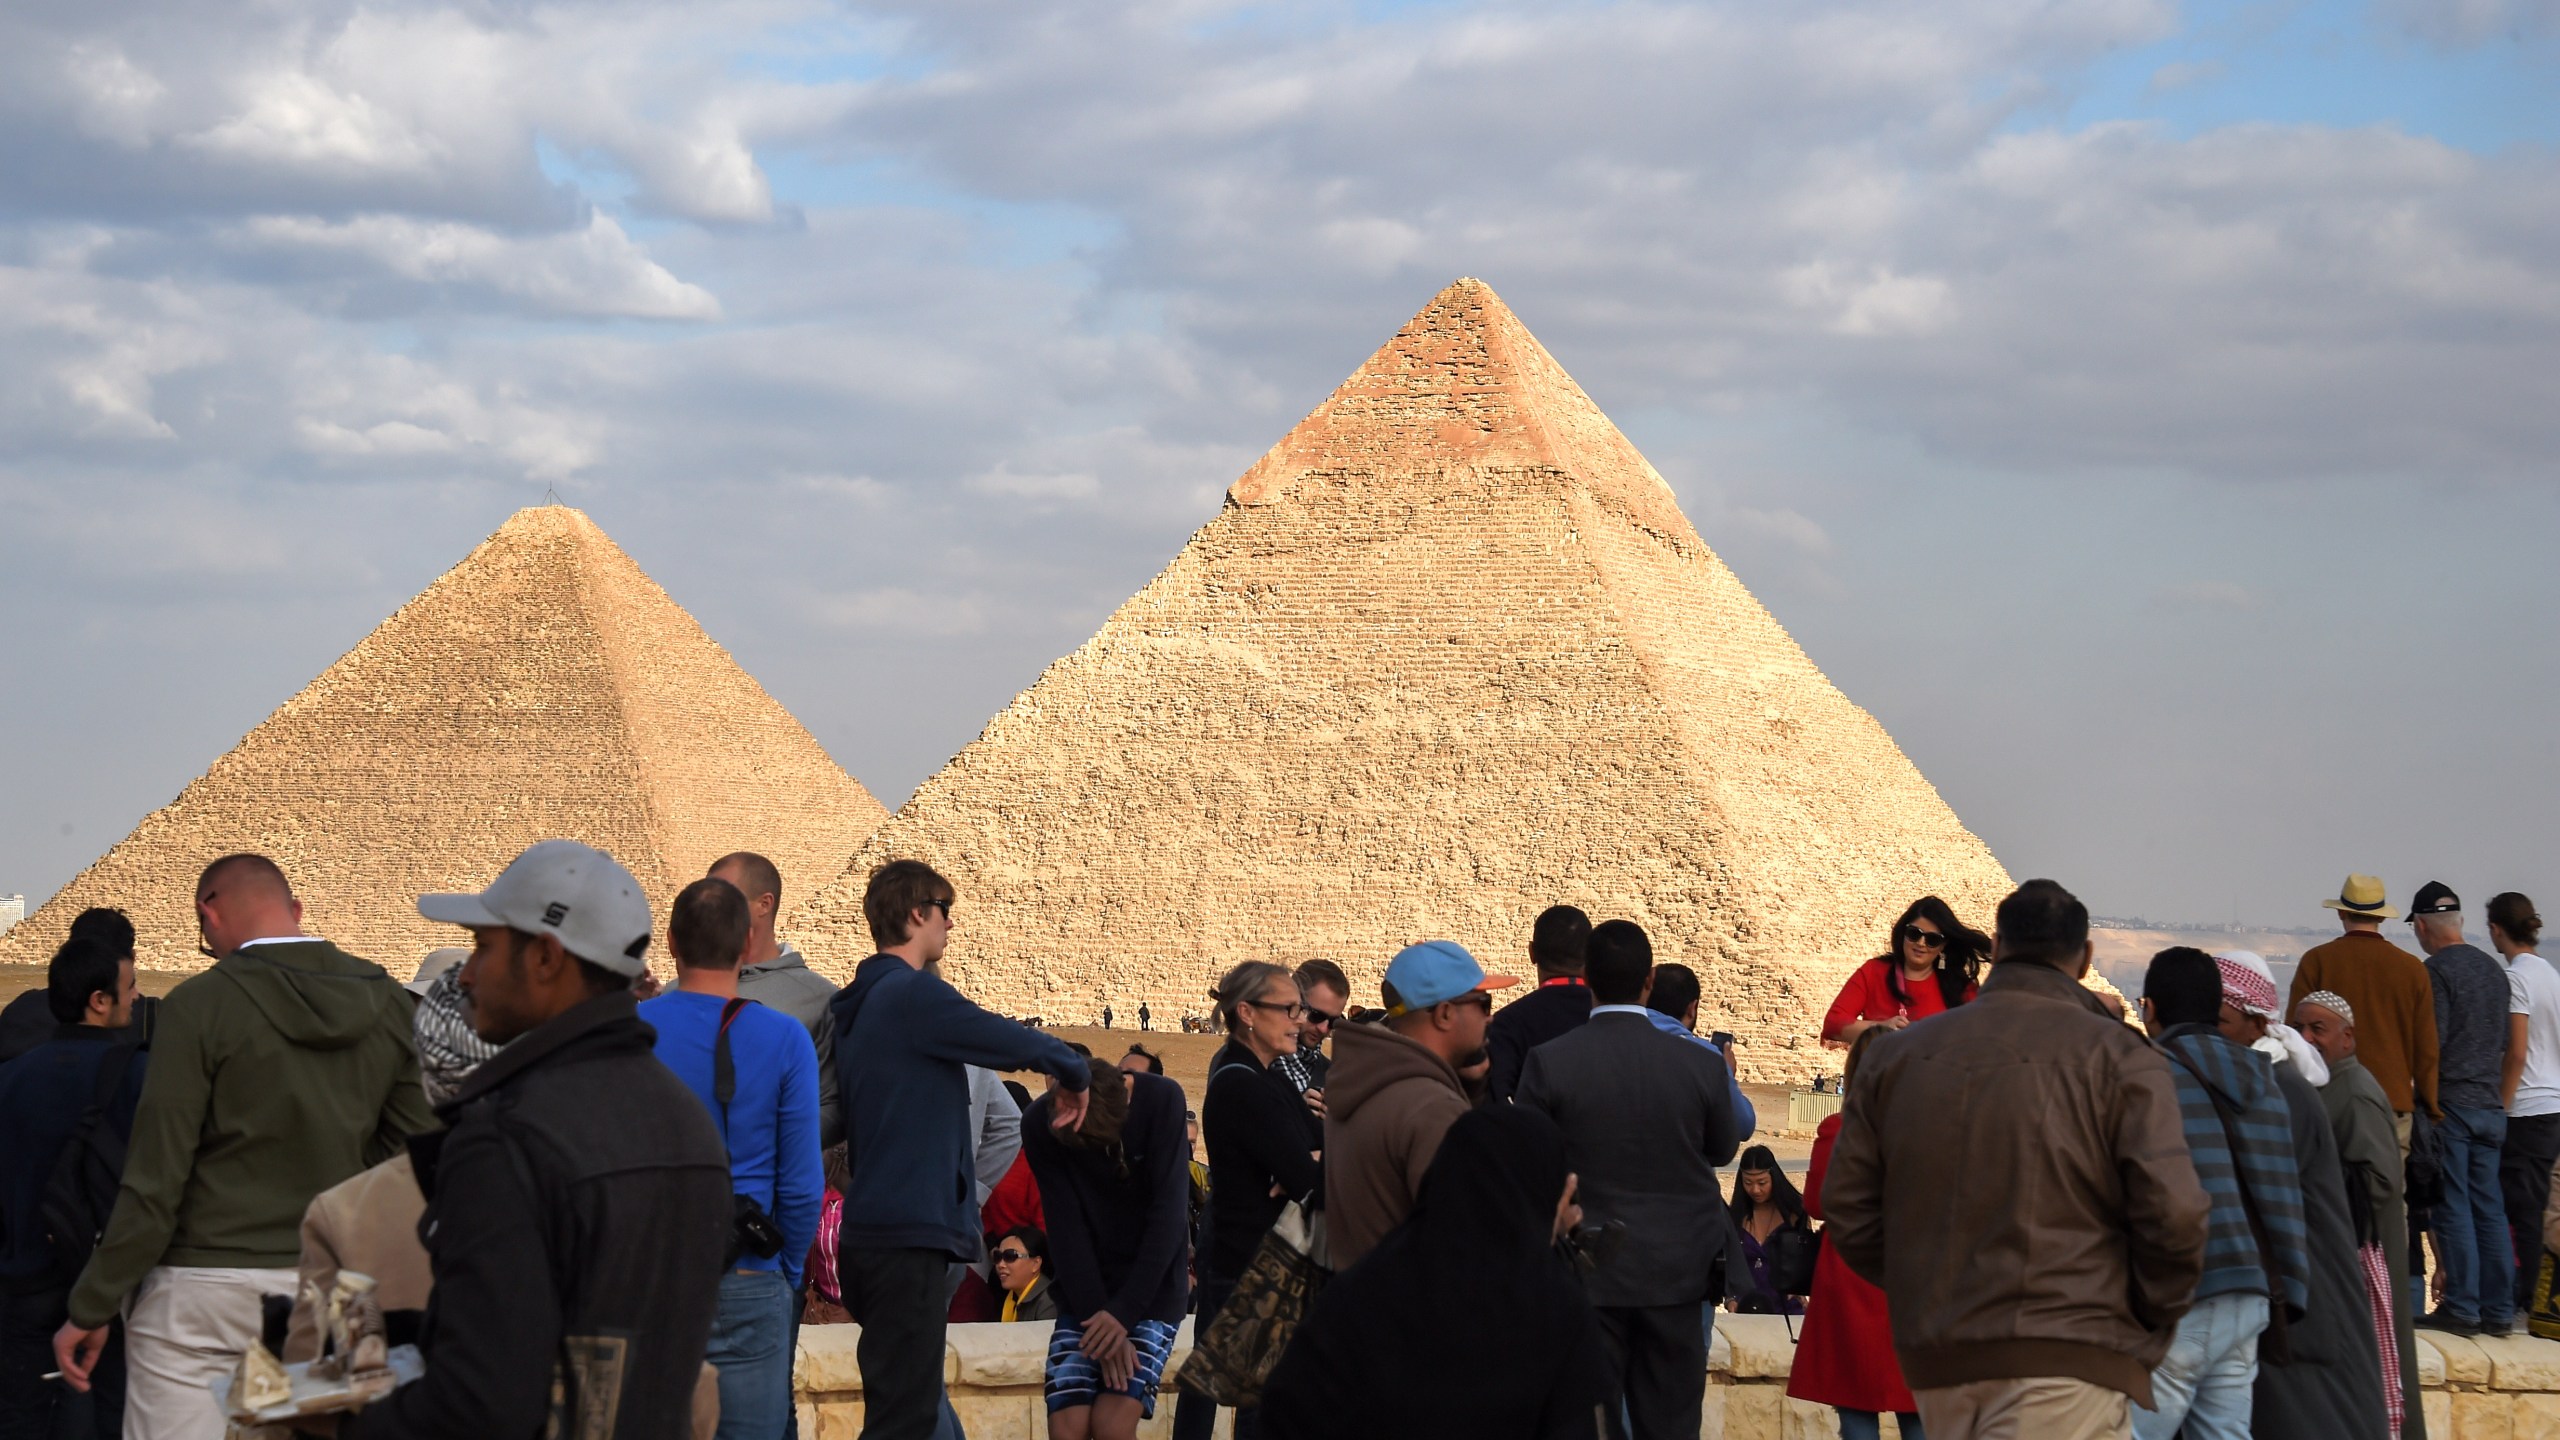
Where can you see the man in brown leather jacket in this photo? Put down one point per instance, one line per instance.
(2015, 1175)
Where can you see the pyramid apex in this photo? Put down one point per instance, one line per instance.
(1464, 386)
(547, 519)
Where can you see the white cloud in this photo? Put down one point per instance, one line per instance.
(1878, 302)
(294, 119)
(594, 271)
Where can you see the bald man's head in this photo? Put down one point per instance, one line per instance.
(243, 875)
(240, 898)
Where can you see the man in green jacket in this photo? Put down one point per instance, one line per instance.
(281, 1071)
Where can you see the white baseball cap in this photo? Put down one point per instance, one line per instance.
(561, 888)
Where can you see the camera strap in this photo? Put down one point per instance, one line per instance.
(724, 1069)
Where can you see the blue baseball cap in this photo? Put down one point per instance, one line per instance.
(1424, 975)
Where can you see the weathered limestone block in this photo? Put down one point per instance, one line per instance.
(825, 1363)
(2520, 1362)
(839, 1420)
(2430, 1359)
(2537, 1417)
(1758, 1346)
(1000, 1355)
(542, 688)
(1752, 1412)
(1803, 1420)
(2482, 1415)
(1004, 1416)
(2465, 1363)
(1449, 654)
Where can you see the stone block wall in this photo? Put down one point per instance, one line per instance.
(2474, 1389)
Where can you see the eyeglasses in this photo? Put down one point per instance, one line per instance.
(1925, 939)
(1293, 1009)
(1009, 1257)
(942, 905)
(1319, 1018)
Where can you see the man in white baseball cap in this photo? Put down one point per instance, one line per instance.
(560, 908)
(574, 1130)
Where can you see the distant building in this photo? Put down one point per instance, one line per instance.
(13, 908)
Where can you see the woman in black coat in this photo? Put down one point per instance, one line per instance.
(1465, 1320)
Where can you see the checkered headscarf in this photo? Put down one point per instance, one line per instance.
(2247, 983)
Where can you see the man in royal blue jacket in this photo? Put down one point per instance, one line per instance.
(769, 1121)
(902, 1040)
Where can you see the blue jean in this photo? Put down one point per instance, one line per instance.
(2471, 1225)
(751, 1348)
(2206, 1380)
(1869, 1425)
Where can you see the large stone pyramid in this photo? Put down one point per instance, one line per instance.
(543, 687)
(1450, 653)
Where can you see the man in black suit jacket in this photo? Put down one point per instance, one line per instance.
(1558, 1006)
(1651, 1166)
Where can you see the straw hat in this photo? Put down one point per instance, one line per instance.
(2362, 895)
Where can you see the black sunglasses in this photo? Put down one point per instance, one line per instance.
(1010, 1257)
(1319, 1017)
(1925, 939)
(942, 905)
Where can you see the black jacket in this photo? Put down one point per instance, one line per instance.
(1651, 1165)
(1527, 1023)
(1116, 1241)
(1260, 1133)
(42, 1096)
(577, 1216)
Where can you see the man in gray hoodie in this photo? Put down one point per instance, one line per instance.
(775, 976)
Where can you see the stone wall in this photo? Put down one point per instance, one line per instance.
(2475, 1389)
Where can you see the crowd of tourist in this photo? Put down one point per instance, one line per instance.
(599, 1208)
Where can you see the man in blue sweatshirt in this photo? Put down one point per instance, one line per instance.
(2240, 1133)
(902, 1041)
(769, 1119)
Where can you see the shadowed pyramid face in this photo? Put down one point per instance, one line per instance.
(542, 688)
(1449, 654)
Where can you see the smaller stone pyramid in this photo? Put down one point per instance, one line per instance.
(543, 687)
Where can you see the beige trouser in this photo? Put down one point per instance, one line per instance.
(2400, 1131)
(2044, 1408)
(187, 1326)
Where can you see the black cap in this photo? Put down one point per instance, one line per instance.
(2435, 898)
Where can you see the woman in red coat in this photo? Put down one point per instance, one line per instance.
(1846, 1358)
(1929, 965)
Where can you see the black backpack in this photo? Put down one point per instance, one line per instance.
(81, 1192)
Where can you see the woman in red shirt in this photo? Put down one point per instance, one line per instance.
(1846, 1358)
(1932, 964)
